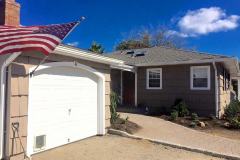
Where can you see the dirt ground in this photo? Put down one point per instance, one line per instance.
(214, 127)
(118, 148)
(227, 133)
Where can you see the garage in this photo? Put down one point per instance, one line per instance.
(64, 105)
(66, 99)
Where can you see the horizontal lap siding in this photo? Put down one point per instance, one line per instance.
(18, 98)
(176, 85)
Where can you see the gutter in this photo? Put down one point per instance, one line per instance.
(184, 62)
(8, 60)
(216, 90)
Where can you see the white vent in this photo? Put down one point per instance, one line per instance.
(39, 142)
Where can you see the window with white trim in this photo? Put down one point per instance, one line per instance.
(154, 78)
(200, 77)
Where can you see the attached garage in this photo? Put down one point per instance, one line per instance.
(64, 105)
(66, 99)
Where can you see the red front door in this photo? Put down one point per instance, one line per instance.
(128, 88)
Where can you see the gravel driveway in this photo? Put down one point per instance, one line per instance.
(118, 148)
(156, 128)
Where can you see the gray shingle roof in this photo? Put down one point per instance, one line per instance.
(161, 55)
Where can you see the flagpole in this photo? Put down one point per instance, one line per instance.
(45, 58)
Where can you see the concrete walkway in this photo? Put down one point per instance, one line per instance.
(156, 128)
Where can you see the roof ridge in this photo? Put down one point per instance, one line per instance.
(198, 52)
(171, 48)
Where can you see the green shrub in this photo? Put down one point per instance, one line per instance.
(232, 110)
(114, 100)
(232, 114)
(235, 122)
(174, 115)
(193, 124)
(182, 109)
(194, 116)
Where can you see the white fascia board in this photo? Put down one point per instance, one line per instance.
(68, 51)
(124, 67)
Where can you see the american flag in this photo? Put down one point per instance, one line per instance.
(35, 38)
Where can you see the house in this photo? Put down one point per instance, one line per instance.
(162, 75)
(65, 100)
(68, 96)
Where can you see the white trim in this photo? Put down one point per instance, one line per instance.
(136, 88)
(101, 93)
(216, 90)
(191, 78)
(123, 67)
(4, 65)
(77, 53)
(238, 80)
(147, 78)
(121, 81)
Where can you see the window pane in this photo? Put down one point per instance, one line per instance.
(154, 82)
(200, 73)
(154, 74)
(200, 82)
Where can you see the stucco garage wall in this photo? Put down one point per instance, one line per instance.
(18, 95)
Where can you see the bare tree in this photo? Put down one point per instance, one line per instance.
(147, 39)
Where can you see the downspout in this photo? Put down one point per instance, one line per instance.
(3, 79)
(216, 90)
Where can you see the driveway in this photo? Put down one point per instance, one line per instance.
(156, 128)
(118, 148)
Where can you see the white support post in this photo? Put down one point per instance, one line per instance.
(238, 80)
(121, 90)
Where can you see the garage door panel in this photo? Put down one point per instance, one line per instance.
(62, 106)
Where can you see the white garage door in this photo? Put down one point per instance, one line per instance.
(62, 107)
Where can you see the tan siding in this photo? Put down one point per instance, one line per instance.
(224, 96)
(18, 105)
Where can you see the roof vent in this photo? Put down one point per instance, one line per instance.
(139, 54)
(130, 52)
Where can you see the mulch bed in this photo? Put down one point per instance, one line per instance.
(125, 125)
(212, 126)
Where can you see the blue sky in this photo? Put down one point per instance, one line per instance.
(208, 25)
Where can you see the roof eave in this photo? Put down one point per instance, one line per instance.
(81, 54)
(184, 62)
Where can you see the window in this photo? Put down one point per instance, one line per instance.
(154, 78)
(226, 80)
(200, 77)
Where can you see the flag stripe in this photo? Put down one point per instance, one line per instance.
(3, 47)
(26, 46)
(33, 38)
(15, 50)
(49, 37)
(15, 30)
(14, 34)
(40, 38)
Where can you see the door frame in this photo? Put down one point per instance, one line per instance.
(100, 94)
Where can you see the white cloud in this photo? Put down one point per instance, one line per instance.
(75, 44)
(204, 21)
(176, 33)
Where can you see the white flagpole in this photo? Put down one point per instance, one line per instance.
(45, 58)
